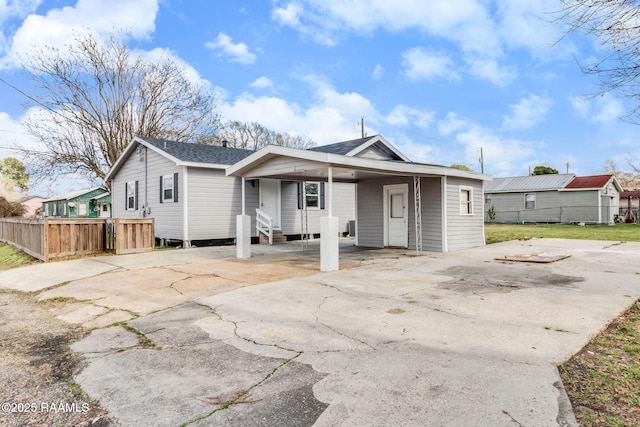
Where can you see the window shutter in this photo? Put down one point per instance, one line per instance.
(322, 195)
(126, 196)
(299, 195)
(136, 195)
(175, 187)
(161, 195)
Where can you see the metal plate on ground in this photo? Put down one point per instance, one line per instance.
(535, 257)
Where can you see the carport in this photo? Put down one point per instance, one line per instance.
(404, 204)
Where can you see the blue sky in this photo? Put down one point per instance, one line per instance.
(438, 79)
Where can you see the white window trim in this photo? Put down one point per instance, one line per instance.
(468, 204)
(304, 196)
(131, 188)
(534, 201)
(170, 180)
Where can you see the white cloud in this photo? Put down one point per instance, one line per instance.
(489, 69)
(402, 115)
(522, 23)
(262, 83)
(610, 110)
(238, 52)
(602, 109)
(159, 54)
(581, 105)
(377, 72)
(100, 17)
(288, 15)
(423, 65)
(451, 124)
(527, 113)
(466, 22)
(502, 156)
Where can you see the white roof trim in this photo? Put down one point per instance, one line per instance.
(371, 142)
(127, 152)
(382, 166)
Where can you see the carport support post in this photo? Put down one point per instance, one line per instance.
(243, 230)
(329, 242)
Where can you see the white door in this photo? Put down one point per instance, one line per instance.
(270, 199)
(396, 215)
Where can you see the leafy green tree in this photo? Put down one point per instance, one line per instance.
(15, 171)
(544, 170)
(461, 167)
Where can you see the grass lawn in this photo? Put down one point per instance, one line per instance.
(496, 233)
(10, 257)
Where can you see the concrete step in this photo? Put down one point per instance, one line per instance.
(278, 237)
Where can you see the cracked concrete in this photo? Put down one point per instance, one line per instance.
(445, 339)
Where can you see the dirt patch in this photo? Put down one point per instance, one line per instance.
(500, 278)
(36, 368)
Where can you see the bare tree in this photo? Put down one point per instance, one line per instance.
(627, 180)
(253, 136)
(615, 26)
(98, 96)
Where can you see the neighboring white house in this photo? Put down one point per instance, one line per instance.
(194, 192)
(553, 198)
(183, 186)
(398, 203)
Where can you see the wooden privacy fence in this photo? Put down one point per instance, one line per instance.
(51, 238)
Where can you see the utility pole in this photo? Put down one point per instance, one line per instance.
(362, 126)
(481, 161)
(567, 165)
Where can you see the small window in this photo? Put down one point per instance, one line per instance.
(105, 208)
(312, 195)
(167, 188)
(487, 199)
(466, 200)
(132, 195)
(529, 201)
(82, 209)
(397, 206)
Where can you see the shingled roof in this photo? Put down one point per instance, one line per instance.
(199, 153)
(342, 147)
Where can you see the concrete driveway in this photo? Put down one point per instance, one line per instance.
(458, 339)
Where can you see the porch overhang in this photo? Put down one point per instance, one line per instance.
(294, 164)
(291, 164)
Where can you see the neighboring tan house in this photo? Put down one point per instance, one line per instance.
(33, 206)
(87, 203)
(553, 198)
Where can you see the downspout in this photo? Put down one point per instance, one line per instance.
(185, 209)
(445, 226)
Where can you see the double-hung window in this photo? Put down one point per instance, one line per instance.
(466, 200)
(131, 191)
(529, 201)
(311, 195)
(169, 188)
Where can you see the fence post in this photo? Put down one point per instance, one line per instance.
(45, 239)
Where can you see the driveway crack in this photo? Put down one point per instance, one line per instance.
(242, 396)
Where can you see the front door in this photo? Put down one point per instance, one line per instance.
(270, 199)
(396, 215)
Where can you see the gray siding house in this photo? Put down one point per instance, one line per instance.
(398, 203)
(553, 198)
(183, 186)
